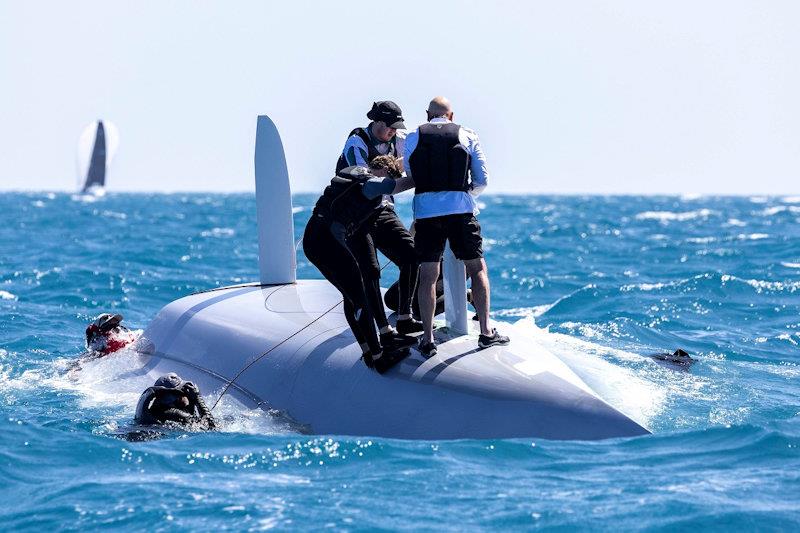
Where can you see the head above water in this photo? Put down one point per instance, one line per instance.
(100, 327)
(169, 391)
(440, 107)
(169, 381)
(387, 118)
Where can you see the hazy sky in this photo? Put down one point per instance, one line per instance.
(598, 97)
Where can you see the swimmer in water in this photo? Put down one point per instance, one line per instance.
(173, 401)
(107, 335)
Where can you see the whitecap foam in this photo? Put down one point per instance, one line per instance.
(297, 209)
(670, 216)
(735, 222)
(774, 210)
(691, 196)
(115, 383)
(218, 232)
(5, 295)
(701, 240)
(85, 198)
(752, 236)
(114, 214)
(762, 285)
(644, 286)
(790, 265)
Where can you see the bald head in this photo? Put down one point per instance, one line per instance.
(440, 107)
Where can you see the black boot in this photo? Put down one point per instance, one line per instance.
(394, 340)
(409, 325)
(387, 359)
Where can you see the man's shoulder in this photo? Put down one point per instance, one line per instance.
(468, 137)
(469, 132)
(356, 137)
(410, 137)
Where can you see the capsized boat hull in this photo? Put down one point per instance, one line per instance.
(318, 380)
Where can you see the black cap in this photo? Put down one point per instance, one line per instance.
(387, 112)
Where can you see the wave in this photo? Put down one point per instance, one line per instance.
(770, 211)
(762, 285)
(623, 387)
(5, 295)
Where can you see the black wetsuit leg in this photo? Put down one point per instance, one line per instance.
(362, 247)
(396, 243)
(392, 298)
(336, 262)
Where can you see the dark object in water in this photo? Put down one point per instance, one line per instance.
(679, 357)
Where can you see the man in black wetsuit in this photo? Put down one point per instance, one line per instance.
(338, 241)
(172, 400)
(385, 135)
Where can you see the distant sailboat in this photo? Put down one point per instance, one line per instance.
(96, 148)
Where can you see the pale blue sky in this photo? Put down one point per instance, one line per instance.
(597, 97)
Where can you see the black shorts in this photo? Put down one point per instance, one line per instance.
(462, 230)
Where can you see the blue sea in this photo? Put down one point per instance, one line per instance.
(608, 279)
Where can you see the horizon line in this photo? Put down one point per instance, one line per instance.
(687, 195)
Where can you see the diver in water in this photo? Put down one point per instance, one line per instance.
(337, 241)
(172, 400)
(106, 335)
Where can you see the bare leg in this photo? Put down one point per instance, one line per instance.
(476, 269)
(426, 296)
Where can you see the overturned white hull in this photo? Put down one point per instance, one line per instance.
(318, 380)
(313, 372)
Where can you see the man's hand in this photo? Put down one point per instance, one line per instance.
(191, 390)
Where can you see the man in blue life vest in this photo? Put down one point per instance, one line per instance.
(448, 168)
(385, 135)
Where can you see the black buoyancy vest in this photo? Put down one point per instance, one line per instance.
(344, 202)
(372, 153)
(439, 162)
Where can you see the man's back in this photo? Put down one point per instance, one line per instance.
(455, 200)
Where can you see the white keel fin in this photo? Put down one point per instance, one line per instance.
(276, 253)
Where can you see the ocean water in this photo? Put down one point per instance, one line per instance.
(600, 280)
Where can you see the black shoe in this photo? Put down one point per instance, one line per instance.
(475, 317)
(427, 349)
(409, 325)
(387, 359)
(495, 339)
(367, 358)
(395, 340)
